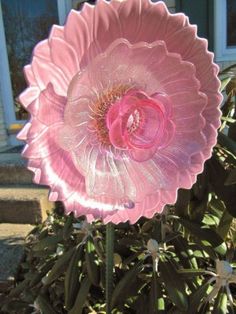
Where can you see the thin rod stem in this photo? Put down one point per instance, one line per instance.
(109, 265)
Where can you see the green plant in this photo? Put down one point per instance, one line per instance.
(179, 262)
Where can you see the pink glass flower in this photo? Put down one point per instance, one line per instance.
(124, 109)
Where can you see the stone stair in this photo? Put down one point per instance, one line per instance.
(13, 170)
(21, 201)
(22, 204)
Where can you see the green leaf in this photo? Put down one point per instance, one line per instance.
(226, 193)
(99, 247)
(124, 284)
(72, 277)
(68, 228)
(198, 209)
(205, 234)
(191, 272)
(224, 83)
(81, 297)
(226, 141)
(220, 305)
(44, 305)
(147, 226)
(90, 258)
(186, 258)
(174, 284)
(59, 267)
(153, 295)
(140, 305)
(185, 253)
(156, 300)
(230, 71)
(231, 87)
(15, 306)
(224, 225)
(231, 179)
(228, 119)
(47, 242)
(200, 253)
(210, 220)
(196, 298)
(43, 233)
(41, 272)
(160, 304)
(216, 206)
(19, 288)
(201, 186)
(182, 204)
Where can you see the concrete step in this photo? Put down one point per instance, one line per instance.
(23, 204)
(11, 252)
(13, 169)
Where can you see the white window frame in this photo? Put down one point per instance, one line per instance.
(222, 52)
(6, 94)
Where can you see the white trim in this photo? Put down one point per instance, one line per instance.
(222, 52)
(64, 7)
(5, 79)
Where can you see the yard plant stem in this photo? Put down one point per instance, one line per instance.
(109, 265)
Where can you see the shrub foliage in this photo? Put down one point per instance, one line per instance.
(179, 262)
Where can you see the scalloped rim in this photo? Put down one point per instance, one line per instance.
(132, 220)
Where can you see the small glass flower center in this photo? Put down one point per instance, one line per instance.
(135, 121)
(100, 110)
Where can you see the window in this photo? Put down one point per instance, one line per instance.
(22, 24)
(231, 23)
(225, 30)
(25, 24)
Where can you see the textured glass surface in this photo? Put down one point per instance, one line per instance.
(231, 23)
(26, 22)
(122, 115)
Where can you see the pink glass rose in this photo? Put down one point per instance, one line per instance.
(139, 124)
(124, 109)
